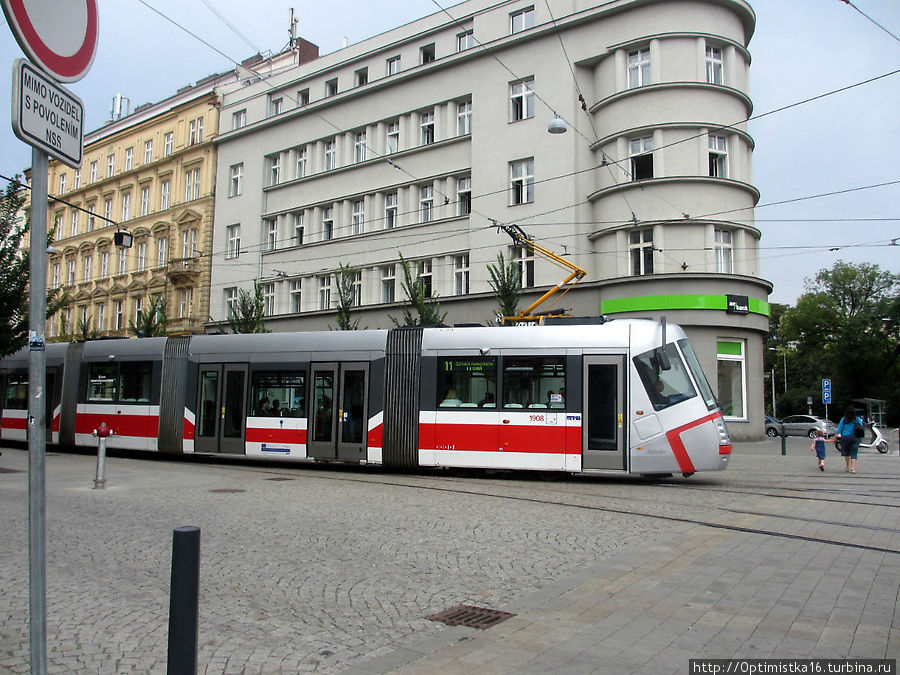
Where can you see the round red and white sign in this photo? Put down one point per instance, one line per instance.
(60, 36)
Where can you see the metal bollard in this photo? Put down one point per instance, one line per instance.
(101, 434)
(783, 440)
(184, 601)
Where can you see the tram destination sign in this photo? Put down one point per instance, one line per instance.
(47, 116)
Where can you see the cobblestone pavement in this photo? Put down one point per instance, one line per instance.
(333, 570)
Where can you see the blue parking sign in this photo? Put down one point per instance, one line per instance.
(826, 397)
(826, 385)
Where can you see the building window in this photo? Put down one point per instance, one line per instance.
(74, 223)
(236, 185)
(189, 243)
(522, 181)
(101, 317)
(714, 65)
(55, 282)
(424, 277)
(393, 65)
(297, 228)
(145, 200)
(162, 251)
(192, 184)
(356, 289)
(110, 165)
(295, 295)
(464, 196)
(361, 77)
(388, 282)
(88, 267)
(327, 223)
(239, 119)
(390, 210)
(359, 146)
(724, 250)
(426, 203)
(148, 151)
(521, 20)
(274, 169)
(331, 87)
(123, 260)
(465, 41)
(464, 118)
(168, 143)
(92, 215)
(393, 136)
(120, 307)
(302, 98)
(77, 178)
(641, 152)
(62, 183)
(718, 157)
(104, 264)
(358, 217)
(93, 172)
(107, 209)
(640, 251)
(325, 291)
(301, 162)
(271, 233)
(427, 54)
(638, 67)
(524, 261)
(231, 299)
(142, 256)
(129, 159)
(268, 294)
(233, 234)
(330, 155)
(186, 303)
(71, 275)
(164, 190)
(461, 274)
(731, 377)
(126, 206)
(276, 105)
(521, 97)
(426, 122)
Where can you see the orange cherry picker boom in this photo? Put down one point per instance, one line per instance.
(529, 316)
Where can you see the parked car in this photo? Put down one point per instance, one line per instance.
(800, 425)
(771, 420)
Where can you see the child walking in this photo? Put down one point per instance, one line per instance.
(818, 445)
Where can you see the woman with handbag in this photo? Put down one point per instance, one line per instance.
(849, 431)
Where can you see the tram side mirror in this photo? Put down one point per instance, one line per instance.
(662, 358)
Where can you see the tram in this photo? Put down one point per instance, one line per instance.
(623, 396)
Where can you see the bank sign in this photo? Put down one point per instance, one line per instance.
(45, 115)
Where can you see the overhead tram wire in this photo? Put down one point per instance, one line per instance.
(893, 35)
(230, 25)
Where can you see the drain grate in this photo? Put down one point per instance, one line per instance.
(2, 470)
(280, 478)
(227, 490)
(473, 617)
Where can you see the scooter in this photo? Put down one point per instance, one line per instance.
(877, 441)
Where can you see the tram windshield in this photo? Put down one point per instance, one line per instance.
(664, 387)
(699, 376)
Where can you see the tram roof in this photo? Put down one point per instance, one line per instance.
(290, 346)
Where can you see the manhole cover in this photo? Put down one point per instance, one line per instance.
(227, 490)
(474, 617)
(2, 470)
(280, 478)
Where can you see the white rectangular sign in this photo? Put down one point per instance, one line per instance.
(47, 116)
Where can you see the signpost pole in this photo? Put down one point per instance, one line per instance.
(37, 414)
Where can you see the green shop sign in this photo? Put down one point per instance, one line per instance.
(650, 303)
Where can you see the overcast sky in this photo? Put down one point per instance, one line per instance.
(801, 49)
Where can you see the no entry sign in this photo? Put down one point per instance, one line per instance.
(60, 36)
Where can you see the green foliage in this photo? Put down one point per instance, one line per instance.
(85, 332)
(14, 273)
(345, 291)
(151, 322)
(844, 327)
(249, 312)
(422, 310)
(506, 282)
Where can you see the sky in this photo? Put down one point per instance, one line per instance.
(844, 143)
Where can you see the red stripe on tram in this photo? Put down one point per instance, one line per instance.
(677, 445)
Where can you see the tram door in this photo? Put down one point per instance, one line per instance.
(338, 415)
(603, 420)
(221, 402)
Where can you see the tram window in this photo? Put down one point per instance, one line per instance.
(534, 382)
(102, 382)
(664, 387)
(467, 383)
(16, 393)
(134, 382)
(699, 376)
(281, 394)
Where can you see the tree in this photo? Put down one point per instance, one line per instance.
(150, 322)
(845, 327)
(346, 291)
(506, 282)
(427, 309)
(248, 314)
(14, 272)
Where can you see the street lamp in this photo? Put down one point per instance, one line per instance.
(784, 355)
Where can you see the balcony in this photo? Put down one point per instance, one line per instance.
(183, 270)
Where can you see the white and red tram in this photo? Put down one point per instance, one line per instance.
(625, 395)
